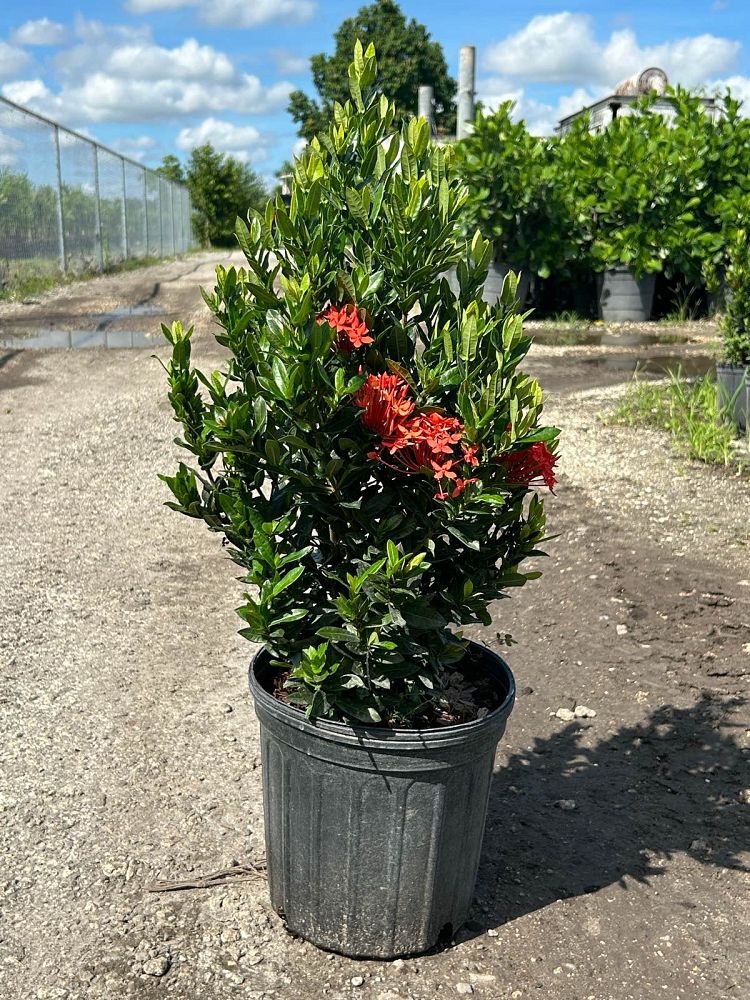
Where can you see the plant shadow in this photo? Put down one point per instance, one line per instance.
(566, 819)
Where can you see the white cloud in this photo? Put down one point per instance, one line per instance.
(136, 147)
(12, 60)
(40, 32)
(27, 92)
(234, 13)
(739, 85)
(290, 62)
(10, 149)
(244, 142)
(562, 48)
(540, 117)
(119, 74)
(251, 13)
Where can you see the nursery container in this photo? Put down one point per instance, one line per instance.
(734, 385)
(623, 298)
(373, 835)
(493, 286)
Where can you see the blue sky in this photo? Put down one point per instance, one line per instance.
(150, 77)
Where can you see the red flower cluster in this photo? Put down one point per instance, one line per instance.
(384, 400)
(414, 443)
(532, 466)
(352, 331)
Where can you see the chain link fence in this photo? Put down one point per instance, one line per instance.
(69, 204)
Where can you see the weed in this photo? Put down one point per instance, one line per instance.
(690, 409)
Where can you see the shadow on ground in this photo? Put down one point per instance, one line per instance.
(566, 819)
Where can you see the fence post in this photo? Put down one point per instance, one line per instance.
(60, 219)
(161, 219)
(146, 247)
(124, 214)
(98, 236)
(171, 216)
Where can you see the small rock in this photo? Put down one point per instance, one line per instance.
(399, 965)
(699, 845)
(357, 980)
(567, 805)
(581, 712)
(516, 993)
(745, 796)
(526, 690)
(227, 708)
(493, 933)
(746, 647)
(464, 989)
(622, 629)
(157, 966)
(565, 714)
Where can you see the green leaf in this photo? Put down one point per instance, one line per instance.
(287, 580)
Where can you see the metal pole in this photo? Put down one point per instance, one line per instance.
(465, 103)
(171, 214)
(427, 106)
(60, 220)
(145, 214)
(124, 215)
(98, 237)
(161, 220)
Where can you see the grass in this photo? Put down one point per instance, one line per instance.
(34, 277)
(686, 307)
(690, 410)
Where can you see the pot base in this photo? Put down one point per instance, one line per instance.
(373, 836)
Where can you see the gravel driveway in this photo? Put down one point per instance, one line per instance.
(613, 863)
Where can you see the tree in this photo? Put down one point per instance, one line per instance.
(406, 58)
(172, 169)
(221, 189)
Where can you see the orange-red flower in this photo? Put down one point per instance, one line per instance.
(384, 400)
(532, 466)
(351, 329)
(411, 442)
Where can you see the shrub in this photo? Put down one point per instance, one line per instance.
(516, 198)
(735, 325)
(370, 451)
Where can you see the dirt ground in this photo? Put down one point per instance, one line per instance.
(617, 848)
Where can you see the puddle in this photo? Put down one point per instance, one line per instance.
(590, 338)
(690, 365)
(142, 309)
(82, 339)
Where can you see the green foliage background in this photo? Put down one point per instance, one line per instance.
(407, 57)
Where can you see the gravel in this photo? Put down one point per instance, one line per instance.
(121, 765)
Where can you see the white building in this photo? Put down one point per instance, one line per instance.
(605, 110)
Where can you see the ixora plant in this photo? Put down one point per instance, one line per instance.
(514, 197)
(734, 373)
(371, 454)
(628, 189)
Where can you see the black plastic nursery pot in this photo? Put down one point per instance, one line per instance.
(373, 835)
(623, 298)
(493, 285)
(734, 388)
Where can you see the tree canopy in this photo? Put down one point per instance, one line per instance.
(221, 188)
(407, 58)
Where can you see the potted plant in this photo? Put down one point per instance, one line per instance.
(629, 189)
(733, 374)
(371, 455)
(513, 199)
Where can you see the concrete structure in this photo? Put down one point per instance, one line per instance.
(626, 94)
(465, 101)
